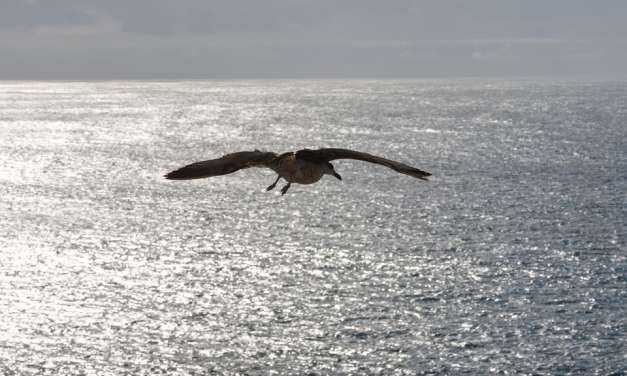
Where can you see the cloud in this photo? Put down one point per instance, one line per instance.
(208, 38)
(395, 19)
(28, 15)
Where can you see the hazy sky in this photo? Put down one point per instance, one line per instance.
(82, 39)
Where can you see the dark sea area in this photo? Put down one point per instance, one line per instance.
(511, 260)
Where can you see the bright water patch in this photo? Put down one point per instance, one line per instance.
(512, 259)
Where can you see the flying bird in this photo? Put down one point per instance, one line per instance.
(303, 166)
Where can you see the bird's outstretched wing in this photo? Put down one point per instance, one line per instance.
(326, 155)
(222, 166)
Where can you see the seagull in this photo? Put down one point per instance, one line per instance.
(304, 166)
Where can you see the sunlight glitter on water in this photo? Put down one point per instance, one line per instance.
(508, 261)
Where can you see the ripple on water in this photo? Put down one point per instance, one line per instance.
(508, 261)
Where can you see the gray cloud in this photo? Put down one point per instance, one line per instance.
(305, 38)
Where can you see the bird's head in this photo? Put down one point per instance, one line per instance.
(331, 171)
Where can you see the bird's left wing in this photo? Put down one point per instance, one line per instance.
(326, 155)
(222, 166)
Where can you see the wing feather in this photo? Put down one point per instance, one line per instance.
(222, 166)
(329, 154)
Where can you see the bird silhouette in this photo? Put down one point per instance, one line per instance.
(302, 167)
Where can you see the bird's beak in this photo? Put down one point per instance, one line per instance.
(337, 175)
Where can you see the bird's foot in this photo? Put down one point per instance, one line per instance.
(285, 188)
(271, 186)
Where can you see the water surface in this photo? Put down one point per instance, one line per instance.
(511, 260)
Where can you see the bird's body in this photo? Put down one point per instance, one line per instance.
(296, 170)
(302, 167)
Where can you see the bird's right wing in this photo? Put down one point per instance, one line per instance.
(326, 155)
(222, 166)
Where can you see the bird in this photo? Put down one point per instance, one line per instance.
(305, 166)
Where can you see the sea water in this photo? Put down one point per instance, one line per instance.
(510, 260)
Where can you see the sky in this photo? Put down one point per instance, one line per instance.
(167, 39)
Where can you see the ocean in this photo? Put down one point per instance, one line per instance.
(511, 260)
